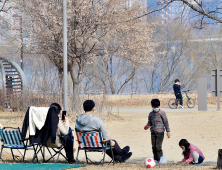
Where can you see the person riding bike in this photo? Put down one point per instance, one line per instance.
(177, 92)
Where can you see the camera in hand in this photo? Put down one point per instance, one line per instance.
(63, 115)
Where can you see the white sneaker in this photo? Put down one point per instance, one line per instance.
(181, 107)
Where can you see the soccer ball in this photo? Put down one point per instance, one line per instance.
(149, 163)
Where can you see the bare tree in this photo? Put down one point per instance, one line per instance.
(176, 62)
(126, 50)
(207, 52)
(112, 75)
(204, 12)
(4, 7)
(94, 29)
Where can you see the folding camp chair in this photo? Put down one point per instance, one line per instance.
(56, 150)
(93, 142)
(12, 139)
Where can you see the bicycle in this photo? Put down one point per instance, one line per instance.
(173, 103)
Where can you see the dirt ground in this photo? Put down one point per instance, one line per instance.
(140, 166)
(202, 129)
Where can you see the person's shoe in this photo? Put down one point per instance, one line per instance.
(156, 161)
(125, 157)
(126, 149)
(195, 164)
(181, 107)
(73, 161)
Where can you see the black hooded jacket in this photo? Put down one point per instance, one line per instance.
(176, 89)
(49, 128)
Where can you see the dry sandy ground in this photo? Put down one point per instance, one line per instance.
(202, 129)
(140, 166)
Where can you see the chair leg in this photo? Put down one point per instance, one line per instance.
(24, 155)
(77, 156)
(51, 155)
(60, 150)
(43, 154)
(1, 153)
(35, 153)
(112, 156)
(104, 152)
(56, 152)
(13, 155)
(86, 157)
(63, 155)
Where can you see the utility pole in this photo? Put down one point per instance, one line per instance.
(21, 38)
(65, 64)
(21, 34)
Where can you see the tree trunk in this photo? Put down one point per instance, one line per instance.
(123, 86)
(111, 76)
(76, 80)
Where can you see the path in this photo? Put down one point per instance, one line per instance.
(147, 110)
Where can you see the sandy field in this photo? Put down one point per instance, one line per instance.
(202, 129)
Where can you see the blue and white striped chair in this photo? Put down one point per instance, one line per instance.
(11, 138)
(93, 142)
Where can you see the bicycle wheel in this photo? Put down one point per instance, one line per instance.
(190, 103)
(173, 103)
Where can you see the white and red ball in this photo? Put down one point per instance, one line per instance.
(149, 163)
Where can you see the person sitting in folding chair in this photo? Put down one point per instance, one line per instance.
(49, 133)
(64, 130)
(87, 122)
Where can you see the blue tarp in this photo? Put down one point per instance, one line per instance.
(8, 166)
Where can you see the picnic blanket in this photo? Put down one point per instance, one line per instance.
(9, 166)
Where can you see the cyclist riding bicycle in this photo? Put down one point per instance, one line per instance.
(177, 92)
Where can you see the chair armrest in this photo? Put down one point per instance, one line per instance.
(107, 141)
(24, 139)
(70, 131)
(62, 136)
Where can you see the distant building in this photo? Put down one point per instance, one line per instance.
(177, 10)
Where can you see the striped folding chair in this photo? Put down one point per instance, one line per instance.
(11, 139)
(93, 142)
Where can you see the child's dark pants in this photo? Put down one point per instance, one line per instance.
(157, 140)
